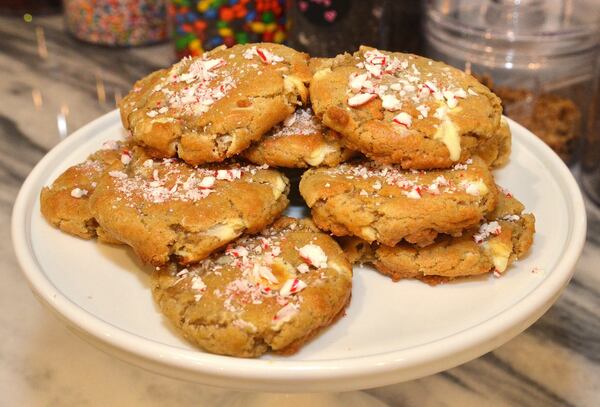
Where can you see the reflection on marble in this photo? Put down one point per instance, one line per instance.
(556, 362)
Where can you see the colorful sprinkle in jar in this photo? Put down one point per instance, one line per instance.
(117, 22)
(200, 25)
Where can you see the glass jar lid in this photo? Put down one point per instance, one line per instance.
(514, 32)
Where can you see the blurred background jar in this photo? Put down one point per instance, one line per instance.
(29, 6)
(590, 157)
(325, 28)
(201, 25)
(117, 22)
(538, 56)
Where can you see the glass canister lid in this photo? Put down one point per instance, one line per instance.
(496, 31)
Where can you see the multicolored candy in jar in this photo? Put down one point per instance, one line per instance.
(200, 25)
(117, 22)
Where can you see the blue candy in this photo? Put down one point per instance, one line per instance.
(251, 15)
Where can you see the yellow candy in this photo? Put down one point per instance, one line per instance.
(257, 27)
(270, 27)
(195, 45)
(279, 37)
(203, 5)
(225, 32)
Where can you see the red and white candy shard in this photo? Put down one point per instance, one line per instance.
(286, 313)
(403, 119)
(198, 286)
(264, 54)
(486, 230)
(126, 157)
(291, 286)
(360, 99)
(313, 255)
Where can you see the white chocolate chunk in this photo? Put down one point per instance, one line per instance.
(447, 133)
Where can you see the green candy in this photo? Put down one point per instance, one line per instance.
(182, 42)
(222, 24)
(241, 37)
(268, 17)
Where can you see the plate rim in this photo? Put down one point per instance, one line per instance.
(372, 370)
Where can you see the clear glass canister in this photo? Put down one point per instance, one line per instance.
(538, 56)
(120, 23)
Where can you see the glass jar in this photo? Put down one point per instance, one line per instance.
(201, 25)
(590, 158)
(538, 56)
(117, 22)
(325, 28)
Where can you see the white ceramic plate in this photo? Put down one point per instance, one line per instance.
(392, 331)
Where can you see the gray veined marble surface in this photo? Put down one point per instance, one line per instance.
(50, 85)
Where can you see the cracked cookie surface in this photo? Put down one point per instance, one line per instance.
(166, 209)
(405, 109)
(300, 141)
(212, 107)
(269, 292)
(65, 203)
(505, 236)
(386, 204)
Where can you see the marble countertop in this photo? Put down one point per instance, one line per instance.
(51, 85)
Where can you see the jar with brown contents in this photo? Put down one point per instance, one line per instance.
(537, 56)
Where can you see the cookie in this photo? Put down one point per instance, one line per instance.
(167, 209)
(300, 141)
(505, 236)
(404, 109)
(496, 150)
(386, 204)
(65, 203)
(270, 292)
(209, 108)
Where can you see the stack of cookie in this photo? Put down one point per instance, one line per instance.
(197, 189)
(425, 204)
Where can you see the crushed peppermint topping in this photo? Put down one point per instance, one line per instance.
(360, 99)
(414, 193)
(126, 157)
(262, 275)
(266, 56)
(313, 255)
(390, 102)
(411, 182)
(381, 73)
(403, 119)
(170, 180)
(198, 286)
(303, 268)
(117, 174)
(193, 85)
(486, 230)
(78, 192)
(511, 218)
(291, 286)
(285, 314)
(301, 122)
(110, 145)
